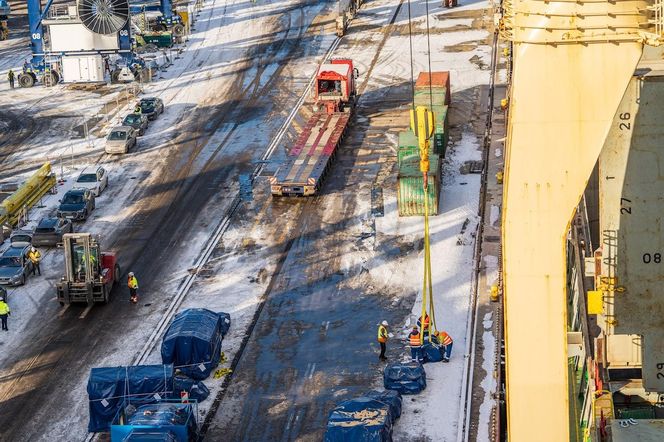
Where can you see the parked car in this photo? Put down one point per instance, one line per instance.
(20, 238)
(120, 139)
(49, 231)
(139, 122)
(76, 204)
(15, 266)
(5, 9)
(151, 107)
(94, 178)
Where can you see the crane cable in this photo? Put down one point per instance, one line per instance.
(427, 281)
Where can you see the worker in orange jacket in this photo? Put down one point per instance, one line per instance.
(382, 339)
(415, 345)
(427, 323)
(446, 341)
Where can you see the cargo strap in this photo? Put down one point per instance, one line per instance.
(422, 123)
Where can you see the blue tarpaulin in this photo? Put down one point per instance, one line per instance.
(389, 397)
(432, 352)
(195, 389)
(166, 421)
(405, 377)
(142, 435)
(193, 341)
(110, 387)
(360, 420)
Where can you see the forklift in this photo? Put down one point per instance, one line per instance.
(90, 274)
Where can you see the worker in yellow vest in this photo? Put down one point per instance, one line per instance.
(446, 341)
(415, 345)
(4, 312)
(35, 256)
(132, 283)
(382, 339)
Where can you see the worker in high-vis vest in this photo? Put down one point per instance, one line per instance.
(415, 345)
(4, 312)
(427, 322)
(132, 283)
(446, 341)
(382, 339)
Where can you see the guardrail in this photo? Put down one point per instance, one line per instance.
(27, 195)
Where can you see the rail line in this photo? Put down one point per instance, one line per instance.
(466, 396)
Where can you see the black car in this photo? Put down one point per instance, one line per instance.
(151, 107)
(137, 121)
(49, 231)
(77, 204)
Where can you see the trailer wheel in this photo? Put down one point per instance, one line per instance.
(50, 78)
(178, 30)
(26, 80)
(115, 76)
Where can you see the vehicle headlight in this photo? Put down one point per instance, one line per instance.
(16, 277)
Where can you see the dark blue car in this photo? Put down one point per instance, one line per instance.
(77, 204)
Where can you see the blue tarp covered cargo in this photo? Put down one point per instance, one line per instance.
(195, 389)
(193, 341)
(389, 397)
(405, 377)
(110, 387)
(360, 420)
(142, 435)
(172, 421)
(432, 352)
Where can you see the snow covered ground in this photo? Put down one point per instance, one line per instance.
(225, 34)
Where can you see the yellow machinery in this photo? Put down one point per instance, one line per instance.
(572, 64)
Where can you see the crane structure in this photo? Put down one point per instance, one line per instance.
(89, 27)
(572, 63)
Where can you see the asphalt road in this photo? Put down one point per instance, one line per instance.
(57, 352)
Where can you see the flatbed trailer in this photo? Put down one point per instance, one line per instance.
(309, 158)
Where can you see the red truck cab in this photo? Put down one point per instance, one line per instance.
(335, 87)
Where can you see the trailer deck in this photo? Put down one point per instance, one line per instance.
(309, 158)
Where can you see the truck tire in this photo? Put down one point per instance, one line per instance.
(50, 79)
(178, 30)
(26, 80)
(115, 76)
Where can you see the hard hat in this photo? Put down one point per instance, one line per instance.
(33, 249)
(131, 273)
(384, 323)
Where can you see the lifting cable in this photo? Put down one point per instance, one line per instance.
(422, 124)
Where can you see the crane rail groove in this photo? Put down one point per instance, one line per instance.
(466, 396)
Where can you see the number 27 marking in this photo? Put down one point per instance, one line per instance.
(625, 206)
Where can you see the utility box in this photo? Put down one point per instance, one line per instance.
(83, 69)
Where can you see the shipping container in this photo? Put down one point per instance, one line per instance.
(410, 187)
(440, 79)
(439, 141)
(83, 69)
(425, 97)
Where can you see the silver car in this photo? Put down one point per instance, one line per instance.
(120, 139)
(15, 266)
(49, 231)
